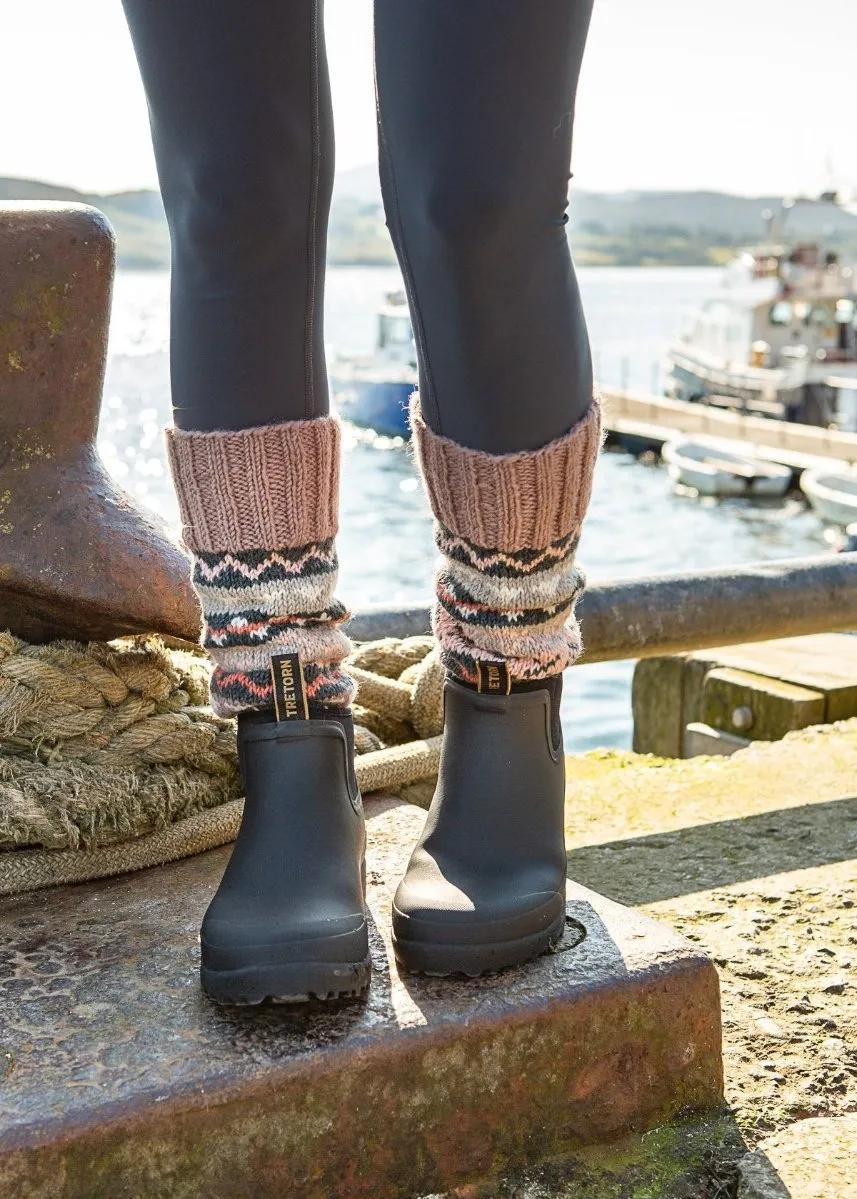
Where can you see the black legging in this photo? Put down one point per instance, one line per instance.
(475, 111)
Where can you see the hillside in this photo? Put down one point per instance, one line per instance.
(625, 229)
(137, 216)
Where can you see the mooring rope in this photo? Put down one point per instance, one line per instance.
(111, 759)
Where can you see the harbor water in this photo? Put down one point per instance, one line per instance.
(636, 525)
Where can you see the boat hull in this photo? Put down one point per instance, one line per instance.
(754, 391)
(378, 405)
(713, 470)
(833, 505)
(726, 485)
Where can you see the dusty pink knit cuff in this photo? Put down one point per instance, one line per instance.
(510, 501)
(273, 487)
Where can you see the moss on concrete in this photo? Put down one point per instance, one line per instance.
(691, 1159)
(754, 858)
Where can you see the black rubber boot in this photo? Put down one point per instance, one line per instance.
(288, 921)
(485, 886)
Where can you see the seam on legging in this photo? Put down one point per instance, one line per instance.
(409, 281)
(315, 167)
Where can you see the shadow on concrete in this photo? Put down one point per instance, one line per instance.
(642, 870)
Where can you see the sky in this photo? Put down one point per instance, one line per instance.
(746, 96)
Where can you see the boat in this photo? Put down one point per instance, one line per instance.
(833, 495)
(778, 338)
(373, 391)
(711, 468)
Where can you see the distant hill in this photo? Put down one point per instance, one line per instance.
(738, 217)
(137, 216)
(646, 228)
(627, 229)
(360, 183)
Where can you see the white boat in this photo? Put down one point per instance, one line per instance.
(713, 469)
(777, 338)
(833, 494)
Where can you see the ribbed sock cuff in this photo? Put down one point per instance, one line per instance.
(509, 501)
(267, 487)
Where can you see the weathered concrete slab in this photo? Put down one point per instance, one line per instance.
(121, 1080)
(814, 1159)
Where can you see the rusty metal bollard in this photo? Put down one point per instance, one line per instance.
(77, 557)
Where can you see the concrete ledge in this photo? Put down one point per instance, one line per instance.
(121, 1080)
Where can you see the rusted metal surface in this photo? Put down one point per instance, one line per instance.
(77, 557)
(670, 613)
(121, 1080)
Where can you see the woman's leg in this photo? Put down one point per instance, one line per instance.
(241, 123)
(239, 103)
(475, 106)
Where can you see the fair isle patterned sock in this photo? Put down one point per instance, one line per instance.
(498, 606)
(507, 527)
(258, 603)
(260, 512)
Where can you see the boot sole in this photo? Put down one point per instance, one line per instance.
(295, 982)
(440, 961)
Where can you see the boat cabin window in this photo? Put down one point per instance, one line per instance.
(781, 313)
(394, 331)
(819, 317)
(801, 312)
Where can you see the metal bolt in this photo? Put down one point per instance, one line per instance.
(742, 718)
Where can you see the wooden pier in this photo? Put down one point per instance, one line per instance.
(648, 421)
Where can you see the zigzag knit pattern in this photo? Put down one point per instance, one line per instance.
(261, 597)
(511, 601)
(258, 603)
(499, 606)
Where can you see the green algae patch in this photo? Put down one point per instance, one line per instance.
(676, 1161)
(689, 1159)
(54, 302)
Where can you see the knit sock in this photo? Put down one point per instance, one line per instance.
(260, 512)
(507, 527)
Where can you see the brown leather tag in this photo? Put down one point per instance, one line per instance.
(493, 678)
(290, 702)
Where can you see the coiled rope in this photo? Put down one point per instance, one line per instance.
(111, 759)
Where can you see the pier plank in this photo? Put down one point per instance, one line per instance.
(656, 419)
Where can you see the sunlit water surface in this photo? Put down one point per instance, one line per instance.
(636, 525)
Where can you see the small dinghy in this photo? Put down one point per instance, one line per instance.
(833, 495)
(711, 469)
(373, 391)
